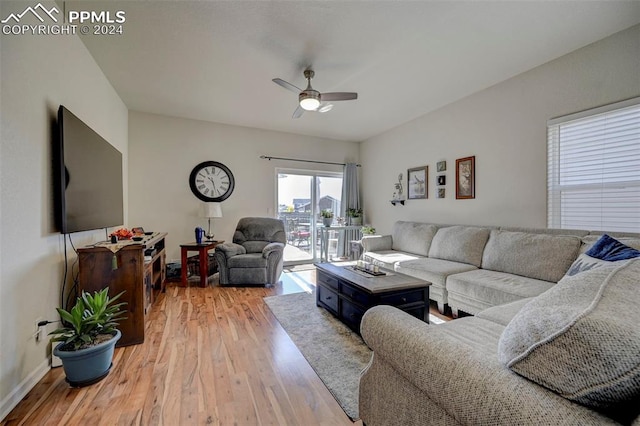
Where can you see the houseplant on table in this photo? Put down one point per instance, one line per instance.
(327, 217)
(368, 230)
(355, 216)
(88, 337)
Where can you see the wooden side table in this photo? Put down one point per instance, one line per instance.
(203, 253)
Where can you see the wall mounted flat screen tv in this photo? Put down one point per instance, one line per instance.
(90, 170)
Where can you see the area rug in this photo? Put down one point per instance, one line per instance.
(337, 354)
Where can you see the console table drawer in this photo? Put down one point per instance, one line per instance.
(327, 280)
(356, 295)
(328, 298)
(396, 299)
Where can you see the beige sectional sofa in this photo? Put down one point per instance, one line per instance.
(473, 268)
(570, 356)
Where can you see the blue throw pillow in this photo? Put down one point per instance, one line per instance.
(610, 249)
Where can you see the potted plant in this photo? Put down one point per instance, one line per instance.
(327, 217)
(355, 216)
(368, 230)
(88, 337)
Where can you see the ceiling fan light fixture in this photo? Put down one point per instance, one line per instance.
(325, 108)
(309, 100)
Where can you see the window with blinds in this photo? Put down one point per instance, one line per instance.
(593, 176)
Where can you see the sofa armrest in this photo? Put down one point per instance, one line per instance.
(376, 242)
(445, 364)
(272, 247)
(231, 249)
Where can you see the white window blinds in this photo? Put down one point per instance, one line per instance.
(593, 177)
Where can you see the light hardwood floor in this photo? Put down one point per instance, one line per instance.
(213, 355)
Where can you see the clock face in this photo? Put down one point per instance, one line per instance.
(211, 181)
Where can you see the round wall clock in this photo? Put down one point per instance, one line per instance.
(211, 181)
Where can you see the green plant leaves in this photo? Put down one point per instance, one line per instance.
(93, 314)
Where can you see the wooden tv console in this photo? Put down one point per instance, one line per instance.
(137, 276)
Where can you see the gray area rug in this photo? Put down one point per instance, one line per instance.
(337, 354)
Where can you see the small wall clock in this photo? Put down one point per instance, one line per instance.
(211, 181)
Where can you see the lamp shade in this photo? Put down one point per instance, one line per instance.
(211, 210)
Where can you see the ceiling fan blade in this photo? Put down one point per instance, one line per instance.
(325, 107)
(287, 85)
(298, 112)
(338, 96)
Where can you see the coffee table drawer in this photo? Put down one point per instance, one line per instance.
(327, 280)
(418, 312)
(328, 297)
(355, 294)
(396, 299)
(352, 314)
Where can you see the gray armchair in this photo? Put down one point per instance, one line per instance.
(255, 255)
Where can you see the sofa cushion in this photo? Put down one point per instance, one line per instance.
(539, 256)
(459, 244)
(503, 314)
(435, 271)
(610, 249)
(388, 258)
(581, 339)
(491, 288)
(547, 231)
(376, 242)
(413, 237)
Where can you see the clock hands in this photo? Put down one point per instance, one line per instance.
(211, 181)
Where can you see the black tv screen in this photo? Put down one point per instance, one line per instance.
(91, 195)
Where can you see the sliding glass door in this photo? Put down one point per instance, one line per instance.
(301, 195)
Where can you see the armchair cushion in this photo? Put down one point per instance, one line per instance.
(249, 260)
(270, 248)
(262, 229)
(231, 249)
(255, 246)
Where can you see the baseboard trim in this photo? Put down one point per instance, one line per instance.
(19, 392)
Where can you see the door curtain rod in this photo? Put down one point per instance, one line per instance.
(266, 157)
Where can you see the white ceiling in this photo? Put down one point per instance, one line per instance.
(214, 60)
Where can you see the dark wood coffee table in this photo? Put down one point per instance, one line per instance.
(348, 293)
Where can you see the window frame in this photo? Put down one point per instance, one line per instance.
(554, 187)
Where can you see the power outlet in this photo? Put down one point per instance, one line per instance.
(39, 331)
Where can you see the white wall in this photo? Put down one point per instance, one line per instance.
(163, 151)
(38, 74)
(505, 128)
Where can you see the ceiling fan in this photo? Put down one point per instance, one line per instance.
(310, 99)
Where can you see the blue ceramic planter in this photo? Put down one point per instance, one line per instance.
(90, 365)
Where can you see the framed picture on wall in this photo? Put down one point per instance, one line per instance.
(417, 182)
(441, 192)
(466, 178)
(442, 180)
(441, 166)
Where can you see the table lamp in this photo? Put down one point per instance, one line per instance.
(210, 210)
